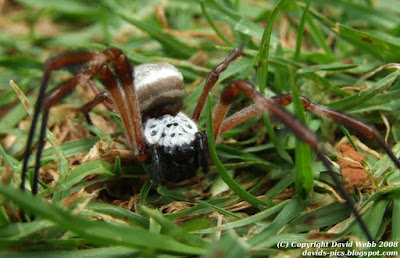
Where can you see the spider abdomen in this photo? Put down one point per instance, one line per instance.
(176, 145)
(178, 163)
(159, 88)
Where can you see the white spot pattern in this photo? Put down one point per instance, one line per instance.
(169, 131)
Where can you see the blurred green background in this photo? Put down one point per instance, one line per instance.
(342, 54)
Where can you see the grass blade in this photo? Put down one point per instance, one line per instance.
(172, 45)
(98, 232)
(364, 41)
(292, 209)
(222, 171)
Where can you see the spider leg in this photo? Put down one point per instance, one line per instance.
(285, 99)
(238, 118)
(49, 100)
(130, 119)
(262, 103)
(125, 74)
(213, 78)
(300, 130)
(124, 71)
(124, 97)
(108, 103)
(46, 103)
(365, 129)
(102, 97)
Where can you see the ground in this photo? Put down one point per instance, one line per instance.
(263, 187)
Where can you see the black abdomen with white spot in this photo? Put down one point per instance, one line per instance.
(176, 145)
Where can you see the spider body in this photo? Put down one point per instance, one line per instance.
(177, 147)
(159, 89)
(172, 139)
(149, 102)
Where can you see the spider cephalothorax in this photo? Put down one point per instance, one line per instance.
(159, 89)
(149, 100)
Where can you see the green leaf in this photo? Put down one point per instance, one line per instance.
(291, 210)
(93, 252)
(396, 219)
(96, 167)
(169, 228)
(171, 44)
(262, 75)
(263, 53)
(212, 24)
(325, 67)
(68, 7)
(300, 31)
(62, 163)
(327, 215)
(364, 41)
(13, 117)
(304, 176)
(238, 21)
(361, 97)
(222, 171)
(98, 232)
(23, 230)
(230, 245)
(373, 218)
(119, 212)
(256, 219)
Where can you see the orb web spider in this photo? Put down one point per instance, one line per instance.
(149, 101)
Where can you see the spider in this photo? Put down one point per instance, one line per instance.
(149, 100)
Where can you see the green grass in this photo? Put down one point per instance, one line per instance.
(264, 186)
